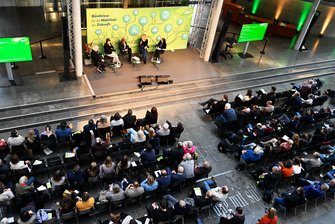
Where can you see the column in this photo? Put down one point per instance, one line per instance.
(213, 25)
(77, 37)
(308, 21)
(125, 4)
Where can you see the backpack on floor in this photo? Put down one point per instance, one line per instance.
(267, 196)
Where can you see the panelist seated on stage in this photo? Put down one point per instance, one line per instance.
(125, 49)
(160, 48)
(97, 59)
(110, 52)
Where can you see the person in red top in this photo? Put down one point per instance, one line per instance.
(270, 217)
(286, 168)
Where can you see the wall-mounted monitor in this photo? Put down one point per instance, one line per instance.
(252, 32)
(15, 49)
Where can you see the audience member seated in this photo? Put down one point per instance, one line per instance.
(228, 115)
(268, 108)
(115, 193)
(92, 172)
(328, 158)
(25, 186)
(103, 128)
(110, 52)
(292, 198)
(218, 193)
(15, 139)
(236, 217)
(149, 184)
(33, 144)
(175, 154)
(129, 120)
(57, 179)
(159, 212)
(97, 59)
(99, 147)
(178, 177)
(76, 177)
(330, 174)
(203, 200)
(116, 124)
(125, 49)
(27, 217)
(6, 193)
(48, 139)
(265, 179)
(164, 178)
(177, 207)
(175, 131)
(134, 190)
(143, 47)
(163, 131)
(107, 169)
(136, 136)
(67, 204)
(270, 217)
(314, 162)
(85, 202)
(153, 140)
(215, 106)
(151, 117)
(63, 131)
(160, 48)
(202, 170)
(189, 148)
(188, 165)
(148, 155)
(315, 189)
(5, 174)
(17, 164)
(88, 131)
(123, 165)
(250, 153)
(286, 168)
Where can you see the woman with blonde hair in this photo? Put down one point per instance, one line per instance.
(270, 217)
(97, 59)
(149, 184)
(143, 46)
(33, 144)
(107, 169)
(103, 128)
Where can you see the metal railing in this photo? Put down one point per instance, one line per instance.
(42, 56)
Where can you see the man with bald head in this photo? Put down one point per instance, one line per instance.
(178, 177)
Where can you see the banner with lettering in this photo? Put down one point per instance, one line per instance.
(171, 23)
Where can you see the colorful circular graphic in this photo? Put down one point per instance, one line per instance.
(168, 28)
(135, 12)
(143, 20)
(153, 14)
(134, 30)
(180, 21)
(115, 27)
(154, 30)
(126, 18)
(184, 36)
(98, 32)
(158, 38)
(165, 15)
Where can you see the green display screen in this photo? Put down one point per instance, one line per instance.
(15, 49)
(252, 32)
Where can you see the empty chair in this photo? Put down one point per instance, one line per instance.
(67, 217)
(53, 163)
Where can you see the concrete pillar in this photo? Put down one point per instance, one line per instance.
(212, 31)
(78, 48)
(308, 21)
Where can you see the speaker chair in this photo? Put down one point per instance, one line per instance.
(230, 43)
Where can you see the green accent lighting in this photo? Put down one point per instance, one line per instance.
(304, 14)
(255, 6)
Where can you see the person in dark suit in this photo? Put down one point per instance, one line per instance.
(129, 120)
(143, 46)
(179, 176)
(175, 154)
(110, 52)
(161, 46)
(125, 49)
(97, 59)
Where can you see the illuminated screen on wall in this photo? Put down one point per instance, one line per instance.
(252, 32)
(15, 49)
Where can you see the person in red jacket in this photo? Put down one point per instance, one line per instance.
(270, 217)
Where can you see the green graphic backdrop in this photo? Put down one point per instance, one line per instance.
(172, 23)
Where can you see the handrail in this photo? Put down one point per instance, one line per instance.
(42, 56)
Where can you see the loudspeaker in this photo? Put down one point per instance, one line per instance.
(217, 49)
(162, 78)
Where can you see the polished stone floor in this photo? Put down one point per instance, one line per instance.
(34, 86)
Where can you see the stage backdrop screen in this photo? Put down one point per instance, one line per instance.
(172, 23)
(15, 49)
(252, 32)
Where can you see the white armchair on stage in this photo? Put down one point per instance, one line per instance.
(135, 61)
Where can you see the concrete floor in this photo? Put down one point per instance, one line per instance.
(42, 87)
